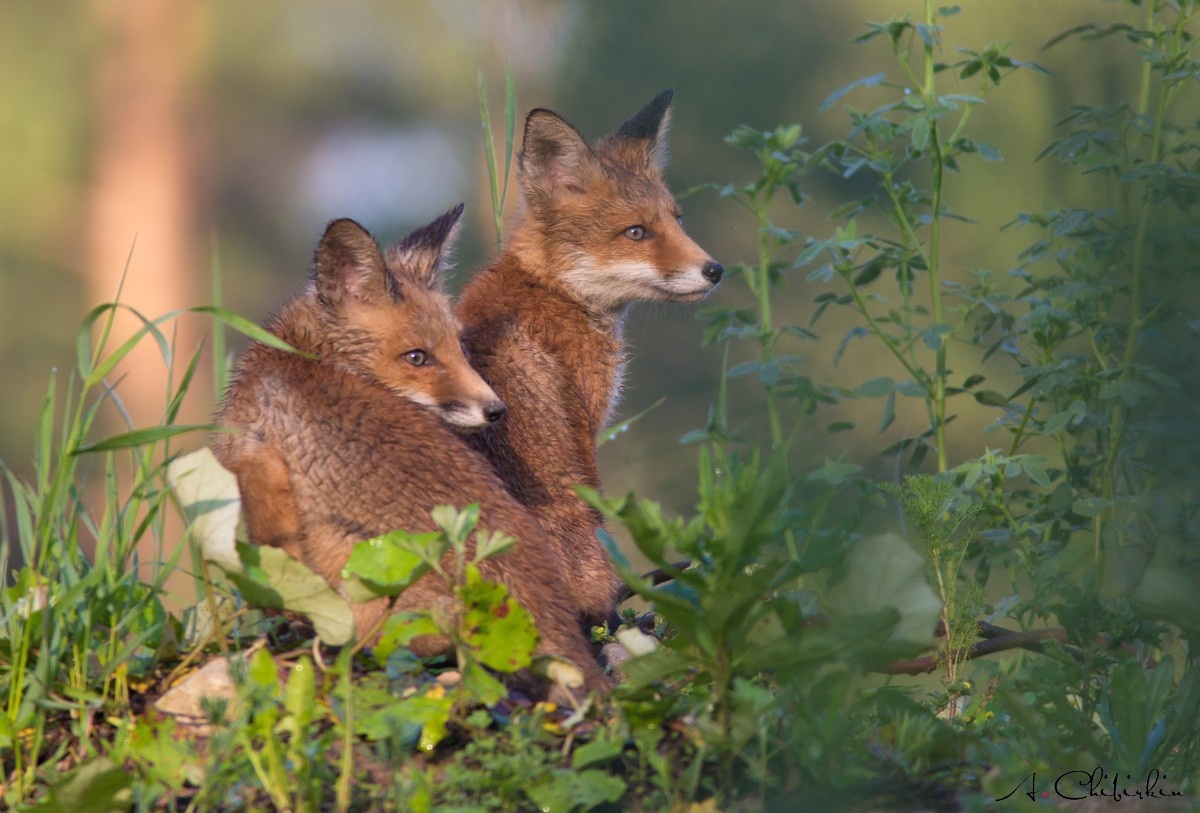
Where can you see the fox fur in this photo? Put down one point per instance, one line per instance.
(352, 440)
(597, 232)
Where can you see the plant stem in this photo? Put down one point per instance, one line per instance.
(1117, 418)
(765, 331)
(935, 280)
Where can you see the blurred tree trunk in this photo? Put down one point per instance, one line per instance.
(142, 196)
(141, 211)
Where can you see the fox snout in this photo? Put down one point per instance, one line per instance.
(473, 414)
(712, 271)
(494, 410)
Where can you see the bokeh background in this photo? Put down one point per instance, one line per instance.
(156, 136)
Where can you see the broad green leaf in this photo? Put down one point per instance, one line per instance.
(884, 571)
(563, 791)
(99, 786)
(601, 749)
(271, 579)
(385, 565)
(401, 628)
(481, 684)
(498, 630)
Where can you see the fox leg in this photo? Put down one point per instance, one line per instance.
(268, 503)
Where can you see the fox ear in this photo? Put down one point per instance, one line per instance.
(421, 256)
(348, 265)
(644, 137)
(554, 154)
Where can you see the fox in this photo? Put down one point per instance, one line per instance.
(361, 432)
(596, 232)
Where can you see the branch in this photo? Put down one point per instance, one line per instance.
(995, 639)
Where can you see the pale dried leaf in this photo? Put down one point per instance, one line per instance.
(209, 495)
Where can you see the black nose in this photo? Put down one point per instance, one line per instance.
(494, 410)
(712, 272)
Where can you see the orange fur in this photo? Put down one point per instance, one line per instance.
(598, 232)
(334, 449)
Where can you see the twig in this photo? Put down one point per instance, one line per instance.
(996, 639)
(657, 576)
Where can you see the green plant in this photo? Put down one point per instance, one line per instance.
(486, 627)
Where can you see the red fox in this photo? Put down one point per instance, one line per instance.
(351, 442)
(597, 232)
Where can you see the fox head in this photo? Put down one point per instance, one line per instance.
(387, 317)
(605, 220)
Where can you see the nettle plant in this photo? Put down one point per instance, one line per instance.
(1082, 493)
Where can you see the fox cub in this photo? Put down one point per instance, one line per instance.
(598, 232)
(352, 441)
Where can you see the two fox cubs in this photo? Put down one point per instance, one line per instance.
(360, 434)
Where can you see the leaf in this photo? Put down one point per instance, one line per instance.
(401, 628)
(187, 698)
(834, 473)
(140, 437)
(884, 571)
(1089, 507)
(602, 749)
(249, 329)
(273, 580)
(209, 495)
(889, 412)
(988, 153)
(833, 98)
(163, 753)
(563, 791)
(1168, 592)
(99, 786)
(491, 544)
(1036, 473)
(920, 133)
(875, 387)
(497, 630)
(991, 398)
(299, 697)
(621, 428)
(385, 564)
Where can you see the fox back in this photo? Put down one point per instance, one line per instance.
(330, 447)
(598, 231)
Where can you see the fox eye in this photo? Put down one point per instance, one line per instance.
(679, 219)
(635, 232)
(417, 358)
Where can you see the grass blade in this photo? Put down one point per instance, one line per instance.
(489, 155)
(247, 328)
(140, 437)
